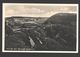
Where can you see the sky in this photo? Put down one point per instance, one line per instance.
(36, 10)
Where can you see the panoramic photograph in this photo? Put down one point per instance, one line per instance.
(40, 28)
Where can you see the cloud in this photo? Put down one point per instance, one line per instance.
(34, 10)
(21, 10)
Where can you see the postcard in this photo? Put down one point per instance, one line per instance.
(40, 28)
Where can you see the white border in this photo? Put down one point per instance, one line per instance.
(37, 4)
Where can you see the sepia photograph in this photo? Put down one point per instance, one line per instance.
(40, 28)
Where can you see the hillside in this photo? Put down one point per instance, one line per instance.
(61, 27)
(62, 18)
(55, 33)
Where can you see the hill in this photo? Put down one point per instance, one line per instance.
(61, 27)
(62, 18)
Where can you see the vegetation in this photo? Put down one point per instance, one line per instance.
(57, 32)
